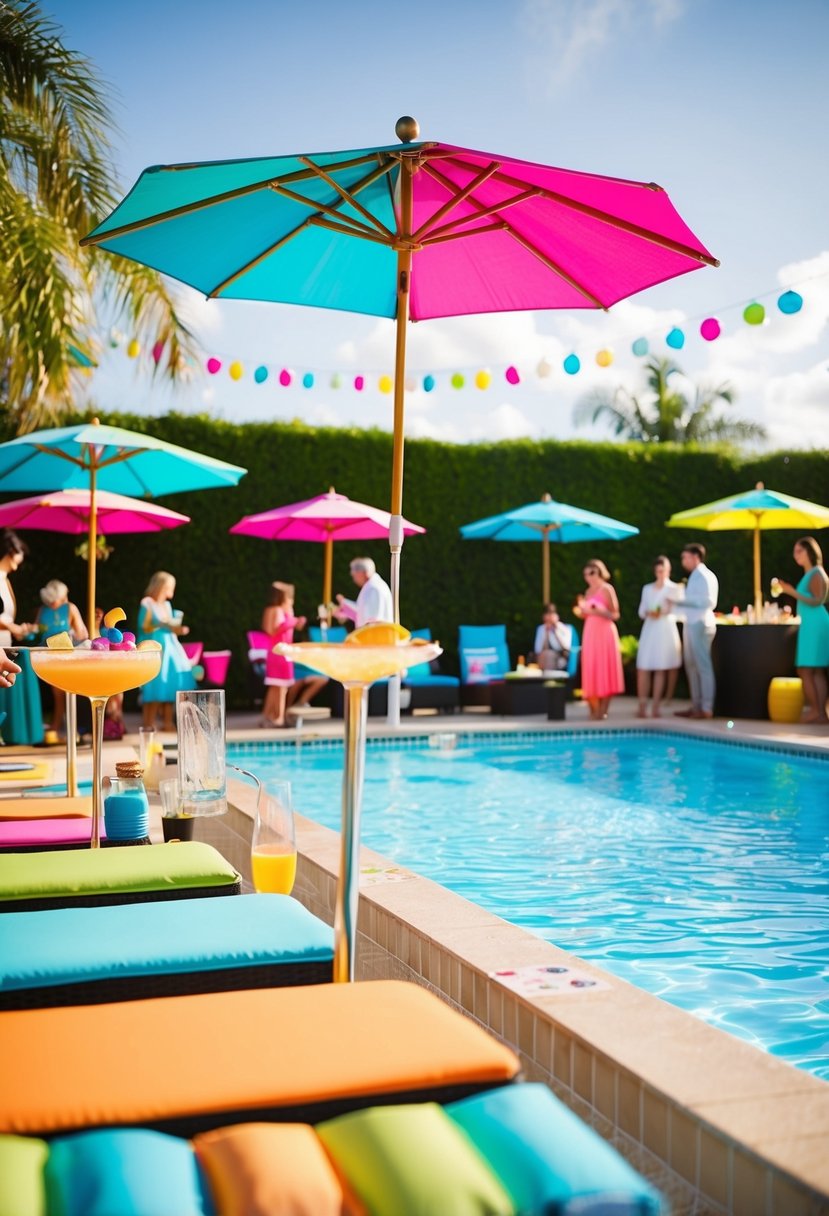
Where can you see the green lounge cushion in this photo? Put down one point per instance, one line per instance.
(22, 1190)
(412, 1161)
(74, 945)
(112, 871)
(124, 1172)
(550, 1162)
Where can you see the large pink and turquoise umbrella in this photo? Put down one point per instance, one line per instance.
(327, 518)
(415, 230)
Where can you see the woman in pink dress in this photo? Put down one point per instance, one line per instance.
(601, 660)
(279, 621)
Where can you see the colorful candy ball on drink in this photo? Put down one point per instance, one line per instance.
(111, 637)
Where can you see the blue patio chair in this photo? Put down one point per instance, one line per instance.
(484, 659)
(428, 687)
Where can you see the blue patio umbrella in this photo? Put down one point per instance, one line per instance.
(549, 522)
(95, 457)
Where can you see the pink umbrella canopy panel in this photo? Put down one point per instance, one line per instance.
(327, 517)
(69, 511)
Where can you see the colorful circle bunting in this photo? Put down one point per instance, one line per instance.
(308, 380)
(214, 365)
(710, 329)
(134, 349)
(512, 375)
(385, 384)
(572, 365)
(483, 379)
(754, 314)
(261, 374)
(359, 383)
(544, 369)
(236, 370)
(428, 384)
(336, 381)
(790, 302)
(457, 380)
(640, 347)
(604, 358)
(158, 351)
(676, 339)
(285, 378)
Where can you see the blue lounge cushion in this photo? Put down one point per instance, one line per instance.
(549, 1162)
(429, 679)
(71, 945)
(128, 1172)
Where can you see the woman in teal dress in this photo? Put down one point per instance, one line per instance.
(20, 701)
(812, 658)
(158, 621)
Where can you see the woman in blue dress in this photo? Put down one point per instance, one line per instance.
(158, 621)
(812, 658)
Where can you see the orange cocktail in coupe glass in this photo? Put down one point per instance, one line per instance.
(371, 653)
(98, 675)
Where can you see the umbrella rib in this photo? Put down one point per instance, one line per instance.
(457, 198)
(495, 209)
(348, 197)
(214, 200)
(319, 221)
(604, 217)
(526, 244)
(500, 226)
(260, 257)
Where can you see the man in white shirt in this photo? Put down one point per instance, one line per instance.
(700, 626)
(374, 602)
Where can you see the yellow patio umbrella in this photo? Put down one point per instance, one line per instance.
(758, 510)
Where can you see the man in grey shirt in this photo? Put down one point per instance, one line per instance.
(700, 626)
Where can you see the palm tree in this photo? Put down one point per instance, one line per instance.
(56, 180)
(665, 414)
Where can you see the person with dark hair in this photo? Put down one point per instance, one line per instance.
(279, 622)
(812, 656)
(553, 641)
(601, 659)
(697, 609)
(19, 686)
(659, 656)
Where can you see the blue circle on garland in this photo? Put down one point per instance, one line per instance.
(428, 383)
(640, 347)
(260, 375)
(572, 364)
(790, 302)
(308, 380)
(676, 339)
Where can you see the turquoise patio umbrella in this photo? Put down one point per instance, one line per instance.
(548, 522)
(95, 457)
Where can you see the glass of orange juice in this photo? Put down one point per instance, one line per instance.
(273, 847)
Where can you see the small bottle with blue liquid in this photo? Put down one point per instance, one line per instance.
(126, 809)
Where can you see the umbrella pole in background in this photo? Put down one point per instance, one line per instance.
(328, 570)
(545, 567)
(92, 551)
(758, 586)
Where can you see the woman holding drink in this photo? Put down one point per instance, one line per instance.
(157, 620)
(659, 657)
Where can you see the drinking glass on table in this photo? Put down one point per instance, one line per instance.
(273, 847)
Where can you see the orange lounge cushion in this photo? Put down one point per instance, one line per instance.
(269, 1050)
(269, 1169)
(79, 807)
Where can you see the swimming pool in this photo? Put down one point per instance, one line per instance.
(696, 870)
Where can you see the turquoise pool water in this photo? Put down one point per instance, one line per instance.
(698, 871)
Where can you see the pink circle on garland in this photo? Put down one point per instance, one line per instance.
(359, 383)
(710, 329)
(214, 365)
(285, 377)
(512, 375)
(158, 351)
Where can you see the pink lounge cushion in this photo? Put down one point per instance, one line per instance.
(28, 833)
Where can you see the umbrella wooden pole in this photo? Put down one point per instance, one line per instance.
(404, 277)
(328, 570)
(758, 583)
(545, 567)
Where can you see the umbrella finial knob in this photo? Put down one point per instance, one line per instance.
(759, 486)
(407, 129)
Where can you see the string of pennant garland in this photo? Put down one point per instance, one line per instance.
(754, 313)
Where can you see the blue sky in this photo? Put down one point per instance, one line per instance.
(723, 104)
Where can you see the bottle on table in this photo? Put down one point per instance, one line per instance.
(126, 808)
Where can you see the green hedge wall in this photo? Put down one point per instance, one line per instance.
(222, 579)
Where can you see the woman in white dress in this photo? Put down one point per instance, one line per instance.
(660, 651)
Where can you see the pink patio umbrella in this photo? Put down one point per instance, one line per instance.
(69, 511)
(323, 519)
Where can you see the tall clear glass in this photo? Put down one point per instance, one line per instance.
(273, 847)
(98, 675)
(356, 667)
(200, 727)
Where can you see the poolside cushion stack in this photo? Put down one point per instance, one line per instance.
(88, 877)
(46, 807)
(514, 1150)
(38, 834)
(189, 1063)
(82, 956)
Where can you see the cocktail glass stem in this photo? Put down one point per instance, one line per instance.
(348, 888)
(98, 704)
(71, 745)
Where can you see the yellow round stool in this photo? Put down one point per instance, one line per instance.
(785, 699)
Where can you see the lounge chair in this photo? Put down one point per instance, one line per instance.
(428, 687)
(484, 658)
